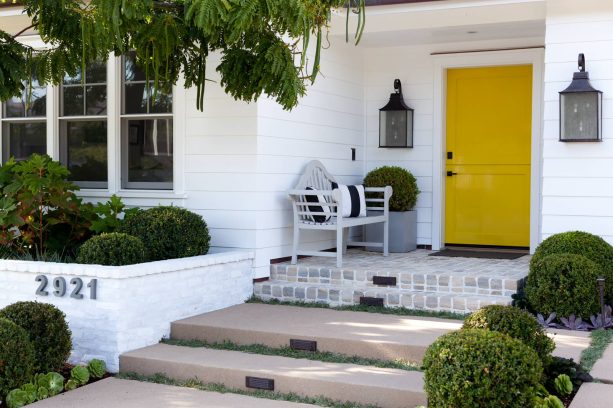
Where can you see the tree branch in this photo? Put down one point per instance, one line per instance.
(24, 30)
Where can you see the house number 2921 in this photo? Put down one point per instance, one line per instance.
(60, 287)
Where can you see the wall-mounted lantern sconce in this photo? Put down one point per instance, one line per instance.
(396, 121)
(580, 109)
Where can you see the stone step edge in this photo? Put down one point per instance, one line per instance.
(465, 283)
(151, 360)
(392, 297)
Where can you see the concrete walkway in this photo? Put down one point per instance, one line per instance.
(593, 395)
(603, 369)
(569, 343)
(114, 393)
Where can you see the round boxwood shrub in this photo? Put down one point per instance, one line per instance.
(564, 284)
(46, 327)
(514, 322)
(17, 361)
(581, 243)
(480, 368)
(403, 183)
(112, 249)
(169, 232)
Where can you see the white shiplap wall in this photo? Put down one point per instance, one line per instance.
(578, 177)
(220, 163)
(325, 126)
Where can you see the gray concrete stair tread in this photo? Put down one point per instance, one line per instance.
(603, 369)
(344, 382)
(353, 333)
(593, 395)
(116, 393)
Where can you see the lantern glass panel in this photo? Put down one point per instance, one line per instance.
(580, 113)
(395, 128)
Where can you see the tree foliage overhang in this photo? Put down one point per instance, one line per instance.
(260, 42)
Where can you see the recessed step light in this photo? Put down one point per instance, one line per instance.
(258, 383)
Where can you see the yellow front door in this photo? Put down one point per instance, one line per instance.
(489, 120)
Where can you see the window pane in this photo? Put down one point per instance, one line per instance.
(21, 140)
(84, 151)
(96, 73)
(162, 103)
(131, 71)
(135, 98)
(73, 101)
(96, 99)
(73, 80)
(147, 153)
(37, 106)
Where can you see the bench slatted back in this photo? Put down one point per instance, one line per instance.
(315, 176)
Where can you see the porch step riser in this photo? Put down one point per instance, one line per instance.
(349, 295)
(413, 281)
(343, 382)
(380, 351)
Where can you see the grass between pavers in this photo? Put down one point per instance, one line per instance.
(400, 311)
(220, 388)
(324, 356)
(600, 340)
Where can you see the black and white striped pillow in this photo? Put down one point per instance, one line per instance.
(319, 199)
(353, 199)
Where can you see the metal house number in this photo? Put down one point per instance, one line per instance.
(60, 287)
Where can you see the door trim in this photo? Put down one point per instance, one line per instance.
(535, 57)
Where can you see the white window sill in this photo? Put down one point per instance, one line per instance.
(171, 195)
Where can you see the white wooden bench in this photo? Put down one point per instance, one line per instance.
(317, 177)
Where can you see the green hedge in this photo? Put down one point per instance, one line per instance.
(169, 232)
(480, 368)
(564, 284)
(112, 249)
(581, 243)
(17, 358)
(514, 322)
(404, 196)
(47, 329)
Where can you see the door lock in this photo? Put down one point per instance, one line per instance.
(451, 173)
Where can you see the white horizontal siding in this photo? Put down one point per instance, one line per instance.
(325, 126)
(577, 184)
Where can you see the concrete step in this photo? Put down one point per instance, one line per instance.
(489, 277)
(371, 335)
(347, 294)
(387, 388)
(116, 393)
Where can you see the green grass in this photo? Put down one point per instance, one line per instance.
(600, 340)
(214, 387)
(400, 311)
(288, 352)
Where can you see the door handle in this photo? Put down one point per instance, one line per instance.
(451, 173)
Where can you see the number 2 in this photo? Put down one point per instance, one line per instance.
(78, 285)
(43, 284)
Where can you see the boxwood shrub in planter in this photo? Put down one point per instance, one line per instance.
(16, 357)
(168, 232)
(112, 249)
(480, 368)
(514, 322)
(47, 329)
(582, 243)
(403, 219)
(564, 284)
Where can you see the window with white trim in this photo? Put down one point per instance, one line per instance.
(83, 127)
(146, 131)
(24, 123)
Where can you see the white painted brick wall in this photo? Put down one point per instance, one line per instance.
(135, 304)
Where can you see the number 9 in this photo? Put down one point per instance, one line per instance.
(59, 284)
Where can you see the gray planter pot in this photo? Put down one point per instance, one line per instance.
(402, 231)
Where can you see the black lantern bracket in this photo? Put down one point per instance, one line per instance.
(581, 108)
(396, 121)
